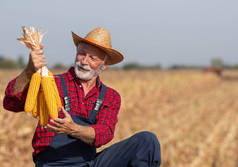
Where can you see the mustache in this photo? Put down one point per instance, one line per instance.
(85, 67)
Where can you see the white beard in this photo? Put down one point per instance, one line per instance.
(88, 75)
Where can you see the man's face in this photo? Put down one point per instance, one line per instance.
(89, 61)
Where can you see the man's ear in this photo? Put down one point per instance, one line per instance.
(104, 67)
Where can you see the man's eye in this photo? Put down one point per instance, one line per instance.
(93, 58)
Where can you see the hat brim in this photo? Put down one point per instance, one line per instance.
(114, 56)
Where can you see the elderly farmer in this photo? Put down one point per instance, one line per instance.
(89, 115)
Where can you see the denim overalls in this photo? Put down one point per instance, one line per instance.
(65, 150)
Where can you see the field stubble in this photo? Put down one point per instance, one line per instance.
(193, 114)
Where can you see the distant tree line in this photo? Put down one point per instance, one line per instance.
(137, 66)
(215, 62)
(8, 63)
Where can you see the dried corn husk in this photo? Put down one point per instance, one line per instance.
(31, 39)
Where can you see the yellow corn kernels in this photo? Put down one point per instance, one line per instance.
(32, 92)
(57, 97)
(44, 116)
(36, 109)
(49, 96)
(56, 92)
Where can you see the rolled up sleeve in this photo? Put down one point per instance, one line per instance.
(14, 102)
(107, 119)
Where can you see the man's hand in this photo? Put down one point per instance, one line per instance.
(62, 126)
(68, 126)
(36, 59)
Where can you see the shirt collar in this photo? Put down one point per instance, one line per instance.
(72, 76)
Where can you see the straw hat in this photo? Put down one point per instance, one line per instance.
(100, 38)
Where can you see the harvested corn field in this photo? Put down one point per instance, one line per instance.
(193, 114)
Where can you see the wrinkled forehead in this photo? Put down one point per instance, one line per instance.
(91, 49)
(86, 46)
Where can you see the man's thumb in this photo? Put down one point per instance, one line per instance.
(41, 46)
(64, 111)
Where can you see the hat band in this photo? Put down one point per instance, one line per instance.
(97, 43)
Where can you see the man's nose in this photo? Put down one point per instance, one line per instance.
(85, 59)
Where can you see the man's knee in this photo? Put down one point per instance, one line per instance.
(148, 147)
(147, 137)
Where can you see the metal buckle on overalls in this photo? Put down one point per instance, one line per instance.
(67, 103)
(66, 100)
(98, 104)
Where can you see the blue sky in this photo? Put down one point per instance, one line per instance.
(148, 32)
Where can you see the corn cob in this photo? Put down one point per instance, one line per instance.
(56, 92)
(36, 109)
(43, 109)
(47, 102)
(32, 92)
(49, 96)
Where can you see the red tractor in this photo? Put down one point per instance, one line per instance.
(217, 70)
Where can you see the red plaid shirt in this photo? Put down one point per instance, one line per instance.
(80, 105)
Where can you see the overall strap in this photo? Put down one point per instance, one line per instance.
(66, 96)
(94, 112)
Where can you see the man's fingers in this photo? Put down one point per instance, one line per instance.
(38, 54)
(64, 111)
(40, 65)
(38, 59)
(41, 46)
(48, 126)
(58, 120)
(52, 128)
(57, 124)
